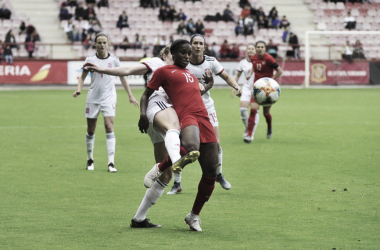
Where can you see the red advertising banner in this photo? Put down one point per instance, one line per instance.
(34, 72)
(326, 72)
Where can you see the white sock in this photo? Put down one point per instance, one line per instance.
(244, 116)
(172, 144)
(177, 177)
(150, 198)
(111, 142)
(257, 118)
(220, 160)
(90, 141)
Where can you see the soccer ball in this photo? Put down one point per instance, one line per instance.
(266, 91)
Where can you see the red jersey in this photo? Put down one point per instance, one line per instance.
(263, 67)
(182, 88)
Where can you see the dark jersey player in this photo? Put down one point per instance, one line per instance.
(263, 65)
(197, 133)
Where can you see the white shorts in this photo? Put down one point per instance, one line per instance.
(212, 116)
(92, 110)
(246, 93)
(155, 105)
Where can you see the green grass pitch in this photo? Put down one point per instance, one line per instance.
(281, 196)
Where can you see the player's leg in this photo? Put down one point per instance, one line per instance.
(268, 118)
(208, 160)
(155, 192)
(244, 104)
(91, 113)
(252, 121)
(220, 178)
(109, 118)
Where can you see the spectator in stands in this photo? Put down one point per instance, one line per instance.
(358, 50)
(171, 39)
(293, 41)
(123, 21)
(5, 13)
(234, 51)
(1, 50)
(77, 34)
(215, 48)
(248, 25)
(276, 23)
(239, 28)
(79, 12)
(89, 13)
(224, 50)
(87, 42)
(10, 39)
(349, 22)
(72, 3)
(96, 27)
(144, 44)
(228, 15)
(29, 45)
(246, 11)
(8, 55)
(181, 15)
(163, 14)
(199, 27)
(137, 43)
(90, 2)
(103, 3)
(273, 13)
(165, 3)
(22, 28)
(285, 35)
(260, 12)
(125, 44)
(347, 52)
(190, 27)
(172, 13)
(158, 43)
(64, 14)
(35, 36)
(243, 3)
(182, 29)
(284, 22)
(69, 28)
(272, 49)
(261, 23)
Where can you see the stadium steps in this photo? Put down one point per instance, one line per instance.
(43, 16)
(301, 19)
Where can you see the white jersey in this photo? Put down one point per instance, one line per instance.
(199, 69)
(102, 88)
(153, 64)
(245, 66)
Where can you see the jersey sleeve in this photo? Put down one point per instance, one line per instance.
(271, 60)
(240, 66)
(217, 68)
(153, 64)
(117, 62)
(157, 79)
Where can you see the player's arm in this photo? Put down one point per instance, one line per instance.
(144, 122)
(231, 81)
(139, 69)
(278, 72)
(238, 74)
(125, 84)
(80, 83)
(209, 80)
(250, 73)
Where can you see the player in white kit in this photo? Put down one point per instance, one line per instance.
(199, 63)
(245, 67)
(101, 97)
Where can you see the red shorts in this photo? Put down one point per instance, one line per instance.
(206, 130)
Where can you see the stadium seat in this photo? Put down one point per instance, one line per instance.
(321, 26)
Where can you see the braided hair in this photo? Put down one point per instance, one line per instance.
(175, 45)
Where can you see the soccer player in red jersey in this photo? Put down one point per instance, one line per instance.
(263, 65)
(197, 132)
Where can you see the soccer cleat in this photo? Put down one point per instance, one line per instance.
(269, 133)
(176, 189)
(245, 133)
(194, 222)
(111, 168)
(248, 139)
(181, 163)
(90, 164)
(225, 184)
(143, 224)
(152, 176)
